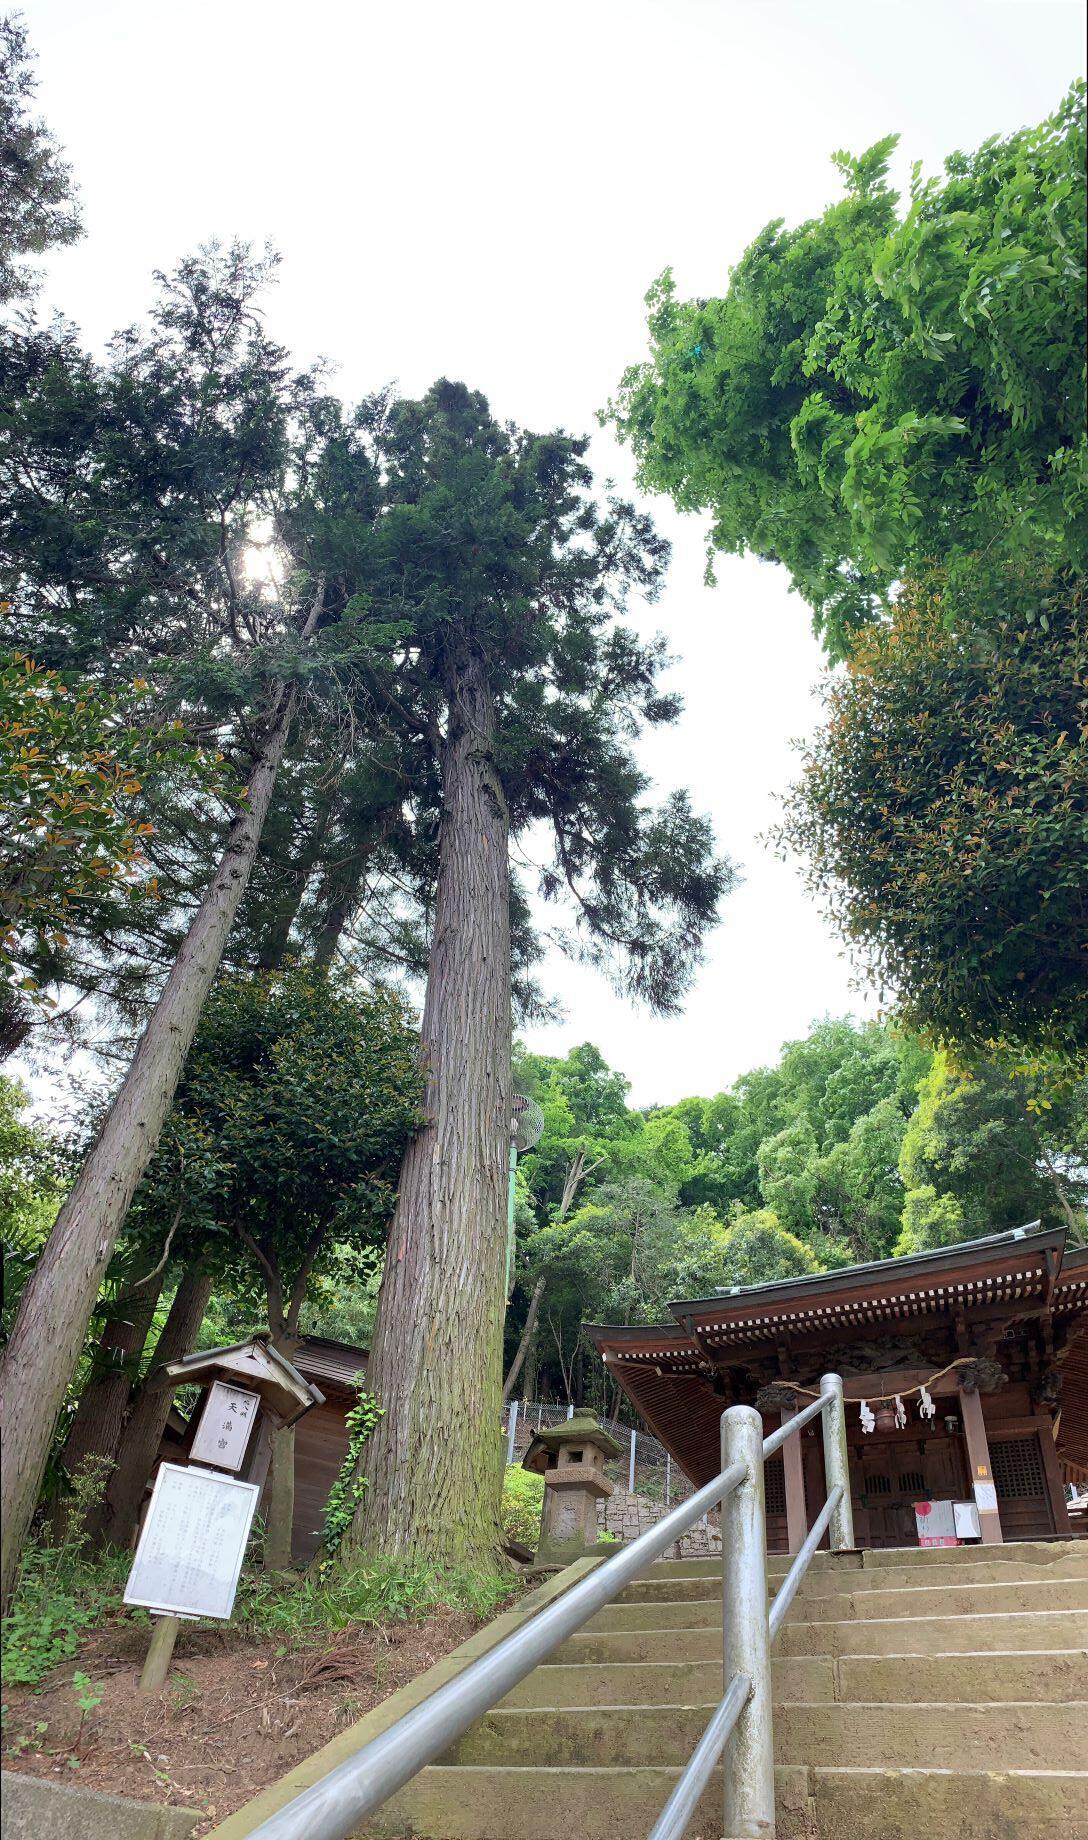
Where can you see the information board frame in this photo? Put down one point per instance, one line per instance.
(164, 1497)
(235, 1441)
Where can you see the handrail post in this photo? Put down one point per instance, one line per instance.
(837, 1463)
(749, 1757)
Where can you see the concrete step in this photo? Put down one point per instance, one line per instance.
(828, 1581)
(945, 1600)
(1014, 1552)
(926, 1599)
(480, 1802)
(914, 1635)
(893, 1736)
(982, 1678)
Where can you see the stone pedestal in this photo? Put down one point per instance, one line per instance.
(571, 1458)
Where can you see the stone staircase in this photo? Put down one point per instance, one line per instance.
(919, 1695)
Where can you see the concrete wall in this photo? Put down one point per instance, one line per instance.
(35, 1810)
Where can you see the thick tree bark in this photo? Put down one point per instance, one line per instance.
(96, 1427)
(527, 1336)
(433, 1461)
(56, 1306)
(142, 1434)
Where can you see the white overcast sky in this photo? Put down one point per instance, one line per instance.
(485, 191)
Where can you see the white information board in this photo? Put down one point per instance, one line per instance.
(986, 1497)
(192, 1543)
(228, 1417)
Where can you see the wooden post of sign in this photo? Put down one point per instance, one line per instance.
(160, 1653)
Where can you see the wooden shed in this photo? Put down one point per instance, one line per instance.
(321, 1438)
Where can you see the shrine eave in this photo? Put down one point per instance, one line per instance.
(1027, 1270)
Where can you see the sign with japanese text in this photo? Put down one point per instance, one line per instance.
(225, 1424)
(192, 1543)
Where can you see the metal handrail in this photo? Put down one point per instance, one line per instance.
(791, 1584)
(332, 1808)
(678, 1811)
(682, 1803)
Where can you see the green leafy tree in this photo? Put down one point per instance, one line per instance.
(75, 767)
(278, 1160)
(973, 1139)
(531, 692)
(758, 1249)
(33, 1167)
(38, 209)
(137, 490)
(877, 391)
(944, 820)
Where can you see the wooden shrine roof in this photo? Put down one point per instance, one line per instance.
(671, 1371)
(335, 1366)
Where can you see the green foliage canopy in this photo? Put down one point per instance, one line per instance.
(285, 1139)
(943, 818)
(875, 391)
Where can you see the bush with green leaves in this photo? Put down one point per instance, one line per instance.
(522, 1503)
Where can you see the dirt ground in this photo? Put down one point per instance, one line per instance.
(233, 1717)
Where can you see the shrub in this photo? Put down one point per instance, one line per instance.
(522, 1503)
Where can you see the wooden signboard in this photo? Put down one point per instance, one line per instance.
(192, 1543)
(228, 1417)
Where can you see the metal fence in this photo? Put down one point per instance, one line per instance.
(645, 1468)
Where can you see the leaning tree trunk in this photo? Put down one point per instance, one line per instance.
(527, 1336)
(142, 1434)
(56, 1306)
(433, 1461)
(96, 1428)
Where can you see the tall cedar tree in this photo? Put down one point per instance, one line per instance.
(124, 551)
(37, 205)
(531, 695)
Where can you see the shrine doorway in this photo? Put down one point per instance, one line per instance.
(889, 1474)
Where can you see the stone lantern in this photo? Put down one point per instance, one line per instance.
(571, 1457)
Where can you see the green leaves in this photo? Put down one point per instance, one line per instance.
(876, 394)
(944, 815)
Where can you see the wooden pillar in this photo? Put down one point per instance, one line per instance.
(793, 1468)
(978, 1463)
(1063, 1526)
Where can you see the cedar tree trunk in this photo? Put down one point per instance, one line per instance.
(142, 1434)
(56, 1306)
(96, 1427)
(433, 1461)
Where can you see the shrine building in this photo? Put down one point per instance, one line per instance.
(971, 1361)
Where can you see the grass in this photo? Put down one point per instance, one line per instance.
(376, 1594)
(62, 1595)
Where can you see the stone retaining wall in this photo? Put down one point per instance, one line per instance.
(627, 1516)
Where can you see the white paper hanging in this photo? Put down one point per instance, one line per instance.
(900, 1412)
(926, 1407)
(868, 1417)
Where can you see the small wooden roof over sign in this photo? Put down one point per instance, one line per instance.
(254, 1364)
(583, 1428)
